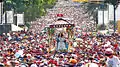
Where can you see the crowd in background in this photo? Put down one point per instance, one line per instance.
(28, 49)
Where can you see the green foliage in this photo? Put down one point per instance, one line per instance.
(31, 8)
(113, 2)
(27, 24)
(51, 31)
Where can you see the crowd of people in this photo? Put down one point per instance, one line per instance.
(74, 13)
(29, 49)
(34, 48)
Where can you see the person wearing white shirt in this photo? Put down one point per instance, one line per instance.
(112, 60)
(33, 65)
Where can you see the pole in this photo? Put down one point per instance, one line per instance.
(108, 17)
(96, 19)
(5, 22)
(1, 12)
(114, 19)
(103, 17)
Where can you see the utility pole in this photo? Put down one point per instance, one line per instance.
(103, 16)
(1, 10)
(114, 19)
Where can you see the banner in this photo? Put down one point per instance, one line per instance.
(61, 25)
(100, 17)
(118, 26)
(20, 19)
(111, 12)
(118, 13)
(9, 16)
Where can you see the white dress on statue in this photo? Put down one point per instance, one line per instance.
(61, 43)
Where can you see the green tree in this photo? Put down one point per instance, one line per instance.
(31, 8)
(115, 4)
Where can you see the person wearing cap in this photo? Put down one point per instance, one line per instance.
(112, 60)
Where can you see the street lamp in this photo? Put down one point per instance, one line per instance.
(96, 18)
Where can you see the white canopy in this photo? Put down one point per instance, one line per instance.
(60, 22)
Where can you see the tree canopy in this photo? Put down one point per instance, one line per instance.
(113, 2)
(31, 8)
